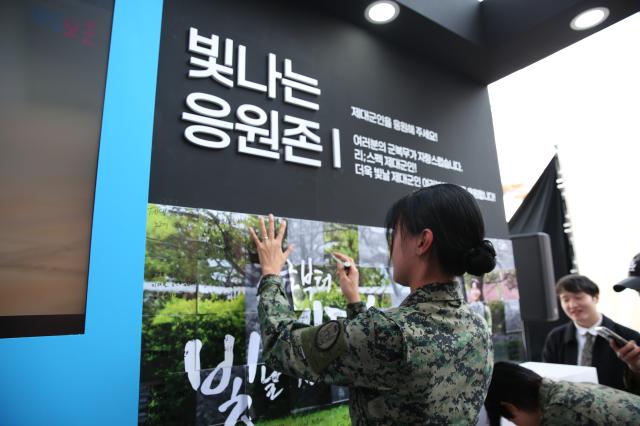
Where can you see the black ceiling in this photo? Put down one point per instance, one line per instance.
(485, 40)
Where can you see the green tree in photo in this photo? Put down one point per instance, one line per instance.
(373, 277)
(164, 337)
(341, 238)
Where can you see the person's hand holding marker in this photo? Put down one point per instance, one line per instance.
(348, 277)
(272, 258)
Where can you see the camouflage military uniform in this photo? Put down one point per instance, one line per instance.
(428, 361)
(565, 403)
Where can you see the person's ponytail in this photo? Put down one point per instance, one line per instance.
(480, 259)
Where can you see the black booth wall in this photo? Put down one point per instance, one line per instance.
(202, 198)
(354, 69)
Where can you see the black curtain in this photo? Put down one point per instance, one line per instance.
(544, 210)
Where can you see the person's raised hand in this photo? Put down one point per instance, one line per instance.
(269, 247)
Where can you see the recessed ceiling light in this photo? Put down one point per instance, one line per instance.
(382, 12)
(589, 18)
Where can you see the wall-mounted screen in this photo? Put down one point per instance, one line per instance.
(52, 79)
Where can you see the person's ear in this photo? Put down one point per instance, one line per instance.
(509, 410)
(596, 298)
(425, 241)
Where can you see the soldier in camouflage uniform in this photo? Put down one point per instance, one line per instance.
(525, 398)
(427, 361)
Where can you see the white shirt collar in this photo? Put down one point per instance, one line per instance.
(583, 331)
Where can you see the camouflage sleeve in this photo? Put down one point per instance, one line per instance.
(277, 325)
(561, 415)
(353, 309)
(590, 404)
(359, 351)
(612, 408)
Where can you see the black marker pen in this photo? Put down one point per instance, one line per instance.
(345, 265)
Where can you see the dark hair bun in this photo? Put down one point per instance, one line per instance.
(481, 259)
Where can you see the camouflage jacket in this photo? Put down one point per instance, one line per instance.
(565, 403)
(428, 361)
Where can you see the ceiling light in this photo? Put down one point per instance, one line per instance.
(382, 12)
(589, 18)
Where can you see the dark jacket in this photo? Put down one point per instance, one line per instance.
(561, 347)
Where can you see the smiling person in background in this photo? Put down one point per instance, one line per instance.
(577, 342)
